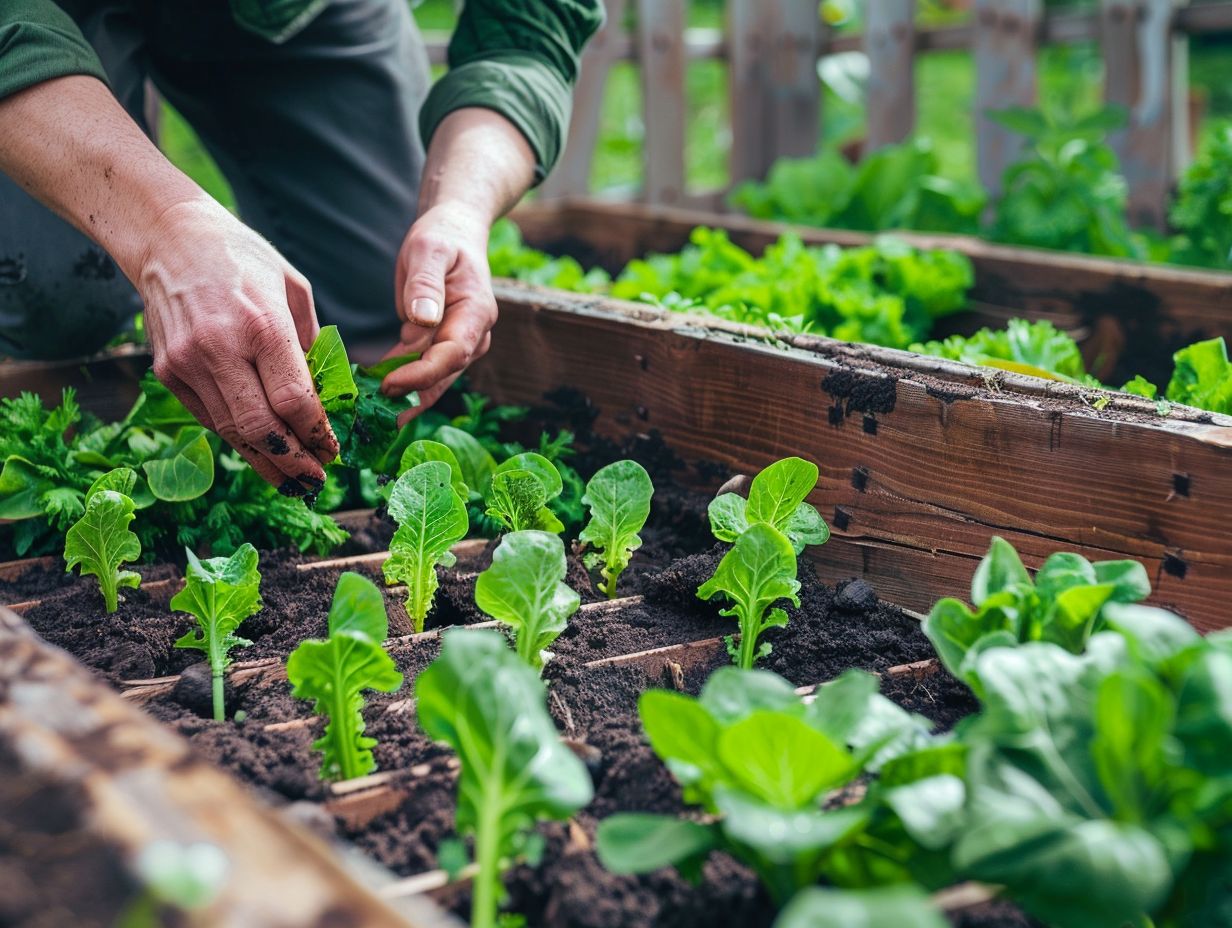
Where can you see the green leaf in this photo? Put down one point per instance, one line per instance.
(490, 707)
(759, 570)
(186, 470)
(220, 593)
(1129, 580)
(330, 369)
(476, 463)
(383, 369)
(543, 469)
(782, 760)
(22, 485)
(335, 672)
(1000, 571)
(524, 589)
(728, 516)
(1154, 634)
(417, 452)
(618, 497)
(776, 496)
(359, 608)
(789, 838)
(641, 843)
(682, 732)
(884, 907)
(431, 517)
(100, 541)
(731, 694)
(931, 809)
(517, 499)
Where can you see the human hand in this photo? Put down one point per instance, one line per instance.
(229, 321)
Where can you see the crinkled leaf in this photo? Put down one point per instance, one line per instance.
(100, 541)
(22, 485)
(618, 497)
(517, 500)
(535, 463)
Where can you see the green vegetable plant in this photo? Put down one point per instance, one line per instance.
(220, 593)
(431, 518)
(1064, 605)
(1202, 376)
(520, 490)
(524, 588)
(334, 673)
(1036, 348)
(618, 497)
(758, 571)
(490, 707)
(761, 762)
(777, 497)
(100, 542)
(1202, 212)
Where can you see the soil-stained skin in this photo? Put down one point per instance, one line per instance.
(277, 444)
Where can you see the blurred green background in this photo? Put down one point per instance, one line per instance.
(1070, 78)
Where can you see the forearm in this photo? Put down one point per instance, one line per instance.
(477, 160)
(70, 144)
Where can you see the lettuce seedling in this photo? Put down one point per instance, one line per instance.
(100, 541)
(762, 761)
(1063, 605)
(758, 571)
(220, 592)
(524, 589)
(520, 490)
(618, 497)
(431, 517)
(489, 706)
(417, 452)
(336, 671)
(776, 497)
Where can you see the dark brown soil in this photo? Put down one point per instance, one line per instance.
(39, 581)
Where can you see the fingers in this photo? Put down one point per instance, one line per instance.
(421, 292)
(187, 396)
(428, 397)
(303, 310)
(287, 390)
(220, 416)
(460, 339)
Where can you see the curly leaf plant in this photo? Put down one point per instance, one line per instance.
(618, 497)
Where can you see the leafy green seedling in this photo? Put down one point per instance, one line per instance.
(618, 497)
(336, 671)
(490, 707)
(220, 592)
(100, 541)
(884, 907)
(776, 497)
(524, 589)
(758, 571)
(520, 490)
(431, 517)
(1063, 605)
(417, 452)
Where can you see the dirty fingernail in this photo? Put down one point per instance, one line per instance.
(425, 311)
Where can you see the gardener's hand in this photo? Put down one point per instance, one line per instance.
(229, 321)
(478, 165)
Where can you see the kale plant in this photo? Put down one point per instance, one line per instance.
(618, 497)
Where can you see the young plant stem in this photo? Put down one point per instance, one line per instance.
(748, 645)
(487, 858)
(218, 661)
(417, 603)
(344, 717)
(111, 594)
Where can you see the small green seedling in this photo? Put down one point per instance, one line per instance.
(520, 490)
(776, 497)
(618, 497)
(101, 541)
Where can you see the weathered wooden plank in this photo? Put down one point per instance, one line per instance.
(748, 47)
(661, 45)
(106, 385)
(1006, 32)
(918, 473)
(793, 86)
(889, 42)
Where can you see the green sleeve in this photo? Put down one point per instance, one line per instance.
(519, 58)
(39, 41)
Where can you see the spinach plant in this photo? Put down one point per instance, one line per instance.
(334, 673)
(524, 588)
(520, 490)
(100, 542)
(761, 762)
(758, 571)
(489, 706)
(776, 497)
(220, 592)
(431, 517)
(618, 497)
(1063, 605)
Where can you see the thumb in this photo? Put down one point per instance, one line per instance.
(423, 292)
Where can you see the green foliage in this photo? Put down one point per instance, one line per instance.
(1202, 212)
(888, 907)
(509, 257)
(524, 588)
(1036, 348)
(758, 571)
(776, 496)
(1064, 605)
(101, 541)
(750, 752)
(1202, 376)
(490, 707)
(618, 497)
(519, 491)
(334, 673)
(220, 593)
(431, 517)
(1066, 191)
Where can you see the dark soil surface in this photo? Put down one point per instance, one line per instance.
(39, 581)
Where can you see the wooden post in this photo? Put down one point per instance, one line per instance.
(1006, 35)
(571, 176)
(794, 86)
(889, 42)
(748, 46)
(660, 43)
(1147, 73)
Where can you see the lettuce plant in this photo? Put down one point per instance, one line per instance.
(220, 593)
(1036, 348)
(422, 450)
(490, 707)
(524, 588)
(1063, 605)
(757, 572)
(1202, 376)
(776, 497)
(334, 673)
(761, 762)
(431, 517)
(101, 541)
(520, 489)
(618, 497)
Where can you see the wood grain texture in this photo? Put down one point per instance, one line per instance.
(748, 44)
(1006, 34)
(793, 88)
(889, 42)
(917, 474)
(661, 45)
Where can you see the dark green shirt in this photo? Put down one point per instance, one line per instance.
(517, 57)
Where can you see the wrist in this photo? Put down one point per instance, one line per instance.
(477, 160)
